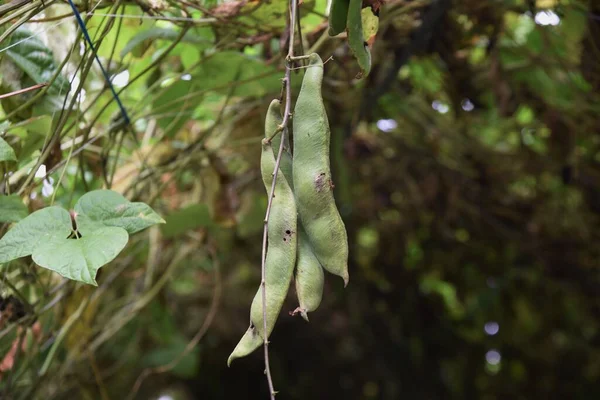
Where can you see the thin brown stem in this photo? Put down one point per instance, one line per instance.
(27, 89)
(286, 117)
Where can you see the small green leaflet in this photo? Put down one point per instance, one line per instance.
(104, 219)
(12, 209)
(6, 152)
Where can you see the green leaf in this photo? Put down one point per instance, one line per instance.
(12, 208)
(39, 125)
(270, 14)
(370, 23)
(39, 227)
(524, 115)
(138, 44)
(448, 293)
(6, 152)
(574, 25)
(80, 259)
(35, 59)
(221, 70)
(26, 62)
(109, 208)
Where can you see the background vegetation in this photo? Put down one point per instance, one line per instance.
(466, 166)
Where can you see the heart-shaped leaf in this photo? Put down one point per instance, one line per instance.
(39, 227)
(103, 220)
(80, 259)
(12, 208)
(109, 208)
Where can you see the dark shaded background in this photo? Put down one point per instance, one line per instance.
(456, 219)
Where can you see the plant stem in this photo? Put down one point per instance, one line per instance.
(286, 115)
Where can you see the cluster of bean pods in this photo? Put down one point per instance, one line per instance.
(345, 15)
(305, 229)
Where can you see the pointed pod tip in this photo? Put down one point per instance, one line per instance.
(249, 342)
(304, 315)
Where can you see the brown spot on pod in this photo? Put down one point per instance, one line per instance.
(320, 182)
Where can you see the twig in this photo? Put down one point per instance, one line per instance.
(27, 89)
(286, 115)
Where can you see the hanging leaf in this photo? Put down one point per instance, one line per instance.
(80, 259)
(12, 208)
(39, 227)
(6, 152)
(370, 24)
(109, 208)
(31, 55)
(27, 62)
(140, 43)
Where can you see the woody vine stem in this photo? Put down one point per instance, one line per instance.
(286, 116)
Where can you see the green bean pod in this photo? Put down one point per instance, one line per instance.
(281, 254)
(249, 342)
(338, 15)
(356, 39)
(312, 175)
(309, 277)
